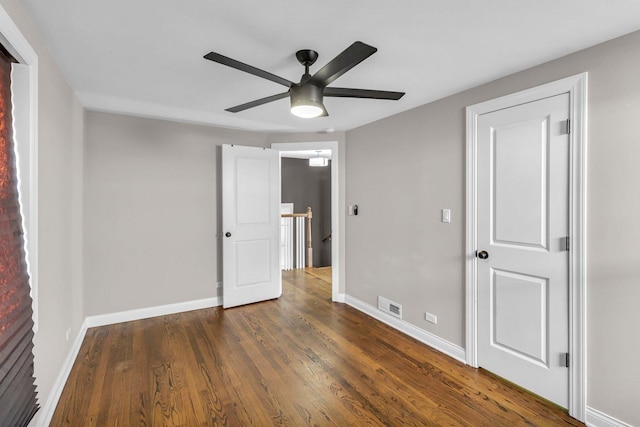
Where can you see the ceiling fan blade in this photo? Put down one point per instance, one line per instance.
(349, 58)
(224, 60)
(257, 102)
(362, 93)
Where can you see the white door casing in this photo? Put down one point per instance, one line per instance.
(250, 225)
(522, 217)
(576, 88)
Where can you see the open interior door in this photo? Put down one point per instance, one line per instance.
(250, 225)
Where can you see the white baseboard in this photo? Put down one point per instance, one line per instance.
(596, 418)
(145, 313)
(421, 335)
(44, 415)
(340, 298)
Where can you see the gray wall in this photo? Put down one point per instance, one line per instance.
(402, 170)
(60, 130)
(307, 186)
(152, 211)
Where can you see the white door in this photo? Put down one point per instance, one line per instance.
(250, 225)
(522, 226)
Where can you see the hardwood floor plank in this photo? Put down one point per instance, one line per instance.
(95, 406)
(377, 377)
(296, 360)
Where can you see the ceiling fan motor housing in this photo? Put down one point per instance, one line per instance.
(306, 94)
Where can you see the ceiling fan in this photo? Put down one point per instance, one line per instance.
(306, 96)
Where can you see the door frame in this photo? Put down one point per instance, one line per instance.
(576, 87)
(335, 199)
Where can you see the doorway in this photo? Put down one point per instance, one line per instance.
(306, 189)
(575, 87)
(335, 231)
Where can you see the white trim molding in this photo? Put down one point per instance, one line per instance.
(576, 87)
(145, 313)
(421, 335)
(596, 418)
(25, 99)
(43, 417)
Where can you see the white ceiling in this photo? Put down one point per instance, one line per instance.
(144, 57)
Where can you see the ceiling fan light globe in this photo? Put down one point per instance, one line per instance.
(306, 111)
(318, 161)
(306, 101)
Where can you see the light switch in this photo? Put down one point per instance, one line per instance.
(446, 215)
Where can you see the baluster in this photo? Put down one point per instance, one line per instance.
(309, 243)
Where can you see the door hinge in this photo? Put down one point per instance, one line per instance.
(564, 246)
(565, 360)
(568, 127)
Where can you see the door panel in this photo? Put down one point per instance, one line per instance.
(520, 299)
(251, 225)
(519, 176)
(252, 262)
(252, 191)
(523, 215)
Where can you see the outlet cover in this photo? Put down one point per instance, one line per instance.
(431, 318)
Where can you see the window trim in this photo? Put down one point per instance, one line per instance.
(25, 107)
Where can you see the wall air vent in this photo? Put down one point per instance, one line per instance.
(390, 307)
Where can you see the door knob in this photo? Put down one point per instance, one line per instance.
(228, 234)
(483, 254)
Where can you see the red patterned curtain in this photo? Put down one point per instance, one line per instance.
(17, 390)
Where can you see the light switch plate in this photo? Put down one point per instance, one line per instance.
(446, 215)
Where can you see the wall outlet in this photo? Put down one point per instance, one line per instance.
(431, 318)
(66, 334)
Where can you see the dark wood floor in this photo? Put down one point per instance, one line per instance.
(298, 360)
